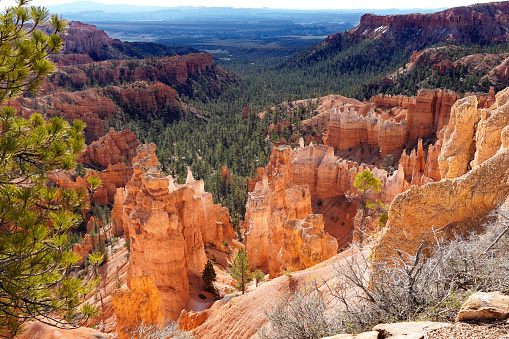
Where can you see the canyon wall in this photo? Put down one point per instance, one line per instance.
(113, 153)
(293, 187)
(481, 23)
(388, 129)
(115, 147)
(168, 225)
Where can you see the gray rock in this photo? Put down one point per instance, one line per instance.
(485, 306)
(364, 335)
(407, 330)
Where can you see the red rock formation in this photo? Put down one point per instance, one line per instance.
(488, 136)
(469, 189)
(458, 144)
(288, 184)
(167, 70)
(190, 320)
(87, 39)
(112, 152)
(390, 130)
(113, 148)
(72, 59)
(489, 22)
(142, 303)
(430, 114)
(144, 98)
(168, 227)
(116, 214)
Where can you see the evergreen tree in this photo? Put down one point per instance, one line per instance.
(208, 277)
(35, 260)
(240, 270)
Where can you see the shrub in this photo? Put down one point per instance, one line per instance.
(300, 315)
(409, 287)
(154, 331)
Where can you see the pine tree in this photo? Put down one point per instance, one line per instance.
(35, 255)
(208, 277)
(240, 270)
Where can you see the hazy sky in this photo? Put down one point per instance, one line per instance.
(308, 4)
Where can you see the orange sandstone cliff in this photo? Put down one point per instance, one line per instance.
(398, 121)
(475, 164)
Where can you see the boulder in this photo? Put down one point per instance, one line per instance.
(363, 335)
(482, 306)
(408, 330)
(190, 320)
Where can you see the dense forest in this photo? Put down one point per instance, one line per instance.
(242, 142)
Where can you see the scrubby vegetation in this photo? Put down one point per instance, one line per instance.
(410, 287)
(155, 331)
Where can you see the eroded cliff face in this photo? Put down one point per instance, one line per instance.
(95, 106)
(458, 143)
(112, 153)
(115, 147)
(397, 121)
(141, 303)
(469, 24)
(476, 180)
(280, 212)
(281, 231)
(168, 225)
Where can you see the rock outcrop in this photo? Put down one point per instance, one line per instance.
(168, 225)
(458, 143)
(480, 23)
(398, 121)
(412, 329)
(295, 183)
(489, 131)
(452, 206)
(141, 303)
(86, 39)
(113, 148)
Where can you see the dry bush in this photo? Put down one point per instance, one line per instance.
(153, 331)
(409, 287)
(300, 315)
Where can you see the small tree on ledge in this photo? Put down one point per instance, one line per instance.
(366, 184)
(240, 270)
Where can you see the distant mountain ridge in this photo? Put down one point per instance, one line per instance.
(92, 11)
